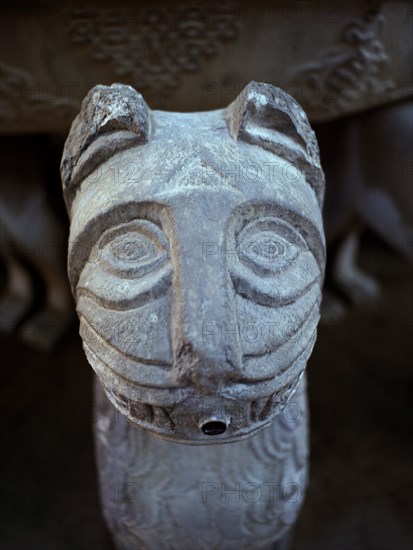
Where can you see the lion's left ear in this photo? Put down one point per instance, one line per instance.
(112, 118)
(264, 115)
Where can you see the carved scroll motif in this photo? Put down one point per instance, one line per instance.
(153, 47)
(21, 98)
(348, 72)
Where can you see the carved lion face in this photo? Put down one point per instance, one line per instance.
(196, 257)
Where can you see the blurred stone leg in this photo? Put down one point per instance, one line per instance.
(49, 323)
(357, 286)
(16, 298)
(37, 292)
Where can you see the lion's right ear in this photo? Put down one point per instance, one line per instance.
(112, 118)
(266, 116)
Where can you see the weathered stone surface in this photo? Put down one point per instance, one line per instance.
(196, 259)
(104, 110)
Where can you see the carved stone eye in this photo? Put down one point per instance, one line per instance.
(268, 246)
(133, 249)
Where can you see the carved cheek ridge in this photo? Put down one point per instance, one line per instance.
(115, 293)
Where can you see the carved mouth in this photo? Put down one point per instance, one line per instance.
(180, 415)
(149, 396)
(177, 423)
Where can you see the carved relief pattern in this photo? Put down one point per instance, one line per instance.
(153, 47)
(349, 72)
(20, 97)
